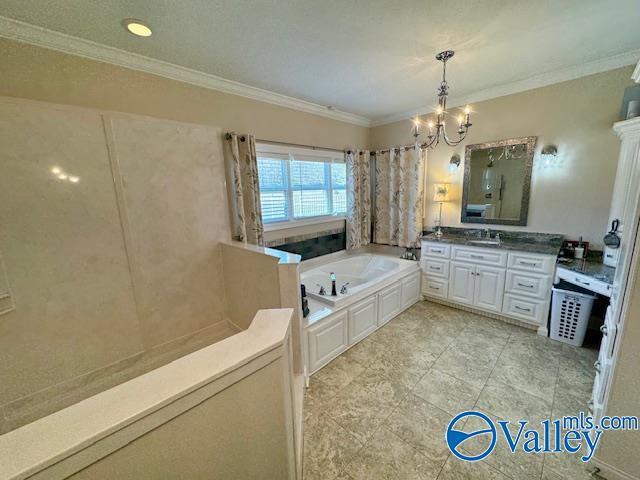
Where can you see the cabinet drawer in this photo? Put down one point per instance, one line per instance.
(435, 267)
(584, 281)
(433, 249)
(482, 256)
(530, 262)
(389, 303)
(526, 309)
(536, 286)
(434, 287)
(363, 319)
(327, 340)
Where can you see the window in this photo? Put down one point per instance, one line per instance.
(300, 184)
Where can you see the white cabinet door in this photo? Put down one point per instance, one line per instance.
(410, 290)
(461, 282)
(389, 303)
(363, 319)
(327, 341)
(489, 288)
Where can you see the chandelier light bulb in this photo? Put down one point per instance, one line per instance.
(467, 110)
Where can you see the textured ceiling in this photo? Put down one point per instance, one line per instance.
(373, 58)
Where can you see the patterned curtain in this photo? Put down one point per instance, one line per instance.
(399, 196)
(358, 199)
(244, 191)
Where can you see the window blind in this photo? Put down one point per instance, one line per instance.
(300, 186)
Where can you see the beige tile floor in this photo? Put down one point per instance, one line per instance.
(380, 410)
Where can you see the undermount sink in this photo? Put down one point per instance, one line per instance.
(485, 242)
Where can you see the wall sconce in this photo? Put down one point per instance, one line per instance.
(454, 163)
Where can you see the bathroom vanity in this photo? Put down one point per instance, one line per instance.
(510, 278)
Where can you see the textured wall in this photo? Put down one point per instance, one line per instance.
(577, 117)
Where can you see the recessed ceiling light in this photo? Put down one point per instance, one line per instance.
(137, 27)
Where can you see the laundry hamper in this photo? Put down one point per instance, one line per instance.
(570, 312)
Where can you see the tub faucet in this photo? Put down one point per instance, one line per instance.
(343, 289)
(487, 233)
(322, 291)
(334, 292)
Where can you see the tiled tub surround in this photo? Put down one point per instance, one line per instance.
(510, 281)
(380, 410)
(313, 244)
(331, 329)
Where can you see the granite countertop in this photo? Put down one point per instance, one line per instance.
(543, 243)
(591, 267)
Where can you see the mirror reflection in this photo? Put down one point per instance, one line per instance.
(497, 181)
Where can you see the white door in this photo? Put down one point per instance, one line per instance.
(489, 288)
(462, 282)
(363, 319)
(389, 304)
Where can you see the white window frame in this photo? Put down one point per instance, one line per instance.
(331, 157)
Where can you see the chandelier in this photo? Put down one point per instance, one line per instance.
(438, 132)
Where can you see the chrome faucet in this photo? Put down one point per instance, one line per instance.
(343, 289)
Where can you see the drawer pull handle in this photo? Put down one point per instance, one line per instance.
(476, 256)
(597, 366)
(529, 264)
(581, 282)
(437, 250)
(434, 268)
(522, 308)
(604, 329)
(524, 285)
(434, 288)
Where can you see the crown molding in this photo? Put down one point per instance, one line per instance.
(536, 81)
(42, 37)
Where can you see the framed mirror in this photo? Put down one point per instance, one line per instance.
(497, 181)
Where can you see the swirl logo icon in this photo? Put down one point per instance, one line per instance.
(456, 438)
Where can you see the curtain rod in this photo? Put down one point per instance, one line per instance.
(272, 142)
(406, 147)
